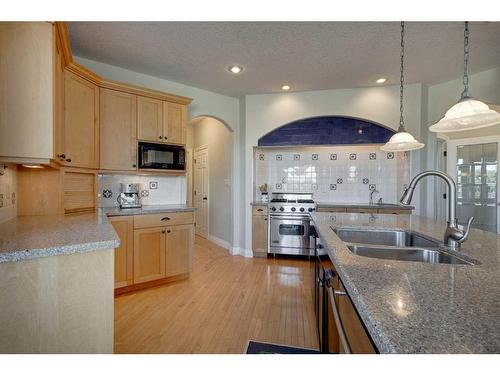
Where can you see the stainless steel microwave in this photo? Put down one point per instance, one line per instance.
(159, 156)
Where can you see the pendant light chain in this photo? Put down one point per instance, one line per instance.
(465, 93)
(401, 108)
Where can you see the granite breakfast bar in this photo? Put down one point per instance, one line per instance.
(413, 307)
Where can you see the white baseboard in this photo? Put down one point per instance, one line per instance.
(232, 250)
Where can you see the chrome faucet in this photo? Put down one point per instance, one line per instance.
(371, 195)
(453, 236)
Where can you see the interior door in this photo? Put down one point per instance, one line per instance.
(200, 191)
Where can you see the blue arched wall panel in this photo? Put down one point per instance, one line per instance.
(327, 130)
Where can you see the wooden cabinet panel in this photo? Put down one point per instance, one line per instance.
(124, 255)
(174, 122)
(79, 190)
(81, 130)
(259, 235)
(58, 97)
(149, 254)
(26, 90)
(118, 125)
(259, 210)
(164, 219)
(149, 119)
(179, 249)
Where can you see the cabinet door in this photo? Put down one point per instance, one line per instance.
(179, 249)
(259, 235)
(58, 98)
(81, 128)
(149, 254)
(149, 119)
(174, 122)
(124, 255)
(118, 120)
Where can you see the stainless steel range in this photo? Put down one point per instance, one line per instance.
(289, 224)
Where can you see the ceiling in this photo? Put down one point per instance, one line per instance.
(305, 55)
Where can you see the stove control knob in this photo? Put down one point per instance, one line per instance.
(282, 209)
(293, 209)
(310, 209)
(273, 208)
(302, 209)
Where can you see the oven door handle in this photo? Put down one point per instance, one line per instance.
(289, 217)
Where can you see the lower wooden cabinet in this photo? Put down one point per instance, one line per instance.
(149, 254)
(124, 255)
(259, 231)
(152, 254)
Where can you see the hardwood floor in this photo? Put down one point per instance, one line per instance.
(227, 301)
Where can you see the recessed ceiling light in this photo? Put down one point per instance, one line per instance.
(285, 87)
(235, 69)
(37, 166)
(381, 80)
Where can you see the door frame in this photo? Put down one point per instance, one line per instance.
(451, 162)
(198, 149)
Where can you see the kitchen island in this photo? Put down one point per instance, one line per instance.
(413, 307)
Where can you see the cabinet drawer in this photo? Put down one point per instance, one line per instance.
(162, 220)
(259, 210)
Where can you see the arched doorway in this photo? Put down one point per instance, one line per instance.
(210, 161)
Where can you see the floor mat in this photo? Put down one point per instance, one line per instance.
(257, 347)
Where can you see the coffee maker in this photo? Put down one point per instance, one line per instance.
(129, 197)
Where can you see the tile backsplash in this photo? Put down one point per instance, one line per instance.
(154, 189)
(8, 192)
(332, 174)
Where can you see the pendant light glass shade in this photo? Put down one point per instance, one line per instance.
(402, 141)
(467, 114)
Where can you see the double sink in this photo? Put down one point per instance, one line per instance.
(396, 244)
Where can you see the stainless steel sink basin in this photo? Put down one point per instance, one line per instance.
(385, 237)
(414, 254)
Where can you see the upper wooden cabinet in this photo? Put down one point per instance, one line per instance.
(118, 124)
(174, 123)
(80, 133)
(149, 119)
(26, 91)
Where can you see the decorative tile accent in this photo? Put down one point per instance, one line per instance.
(352, 156)
(283, 180)
(144, 193)
(366, 181)
(340, 181)
(333, 186)
(372, 218)
(372, 187)
(279, 157)
(261, 156)
(279, 186)
(333, 156)
(296, 157)
(372, 156)
(153, 185)
(333, 218)
(314, 186)
(106, 193)
(315, 157)
(390, 155)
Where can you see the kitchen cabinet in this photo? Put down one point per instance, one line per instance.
(58, 98)
(149, 254)
(259, 231)
(118, 124)
(174, 123)
(179, 249)
(124, 255)
(149, 119)
(80, 133)
(27, 92)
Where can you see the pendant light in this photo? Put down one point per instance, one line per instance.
(402, 140)
(468, 113)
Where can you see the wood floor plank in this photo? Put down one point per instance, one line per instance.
(226, 301)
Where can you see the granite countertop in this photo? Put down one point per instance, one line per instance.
(146, 209)
(31, 237)
(362, 205)
(413, 307)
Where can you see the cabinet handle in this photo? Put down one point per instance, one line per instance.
(165, 138)
(163, 231)
(336, 316)
(260, 209)
(61, 156)
(160, 137)
(134, 166)
(165, 219)
(168, 231)
(68, 160)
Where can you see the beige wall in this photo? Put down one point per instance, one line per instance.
(8, 192)
(207, 131)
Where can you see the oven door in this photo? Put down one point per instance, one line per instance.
(289, 235)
